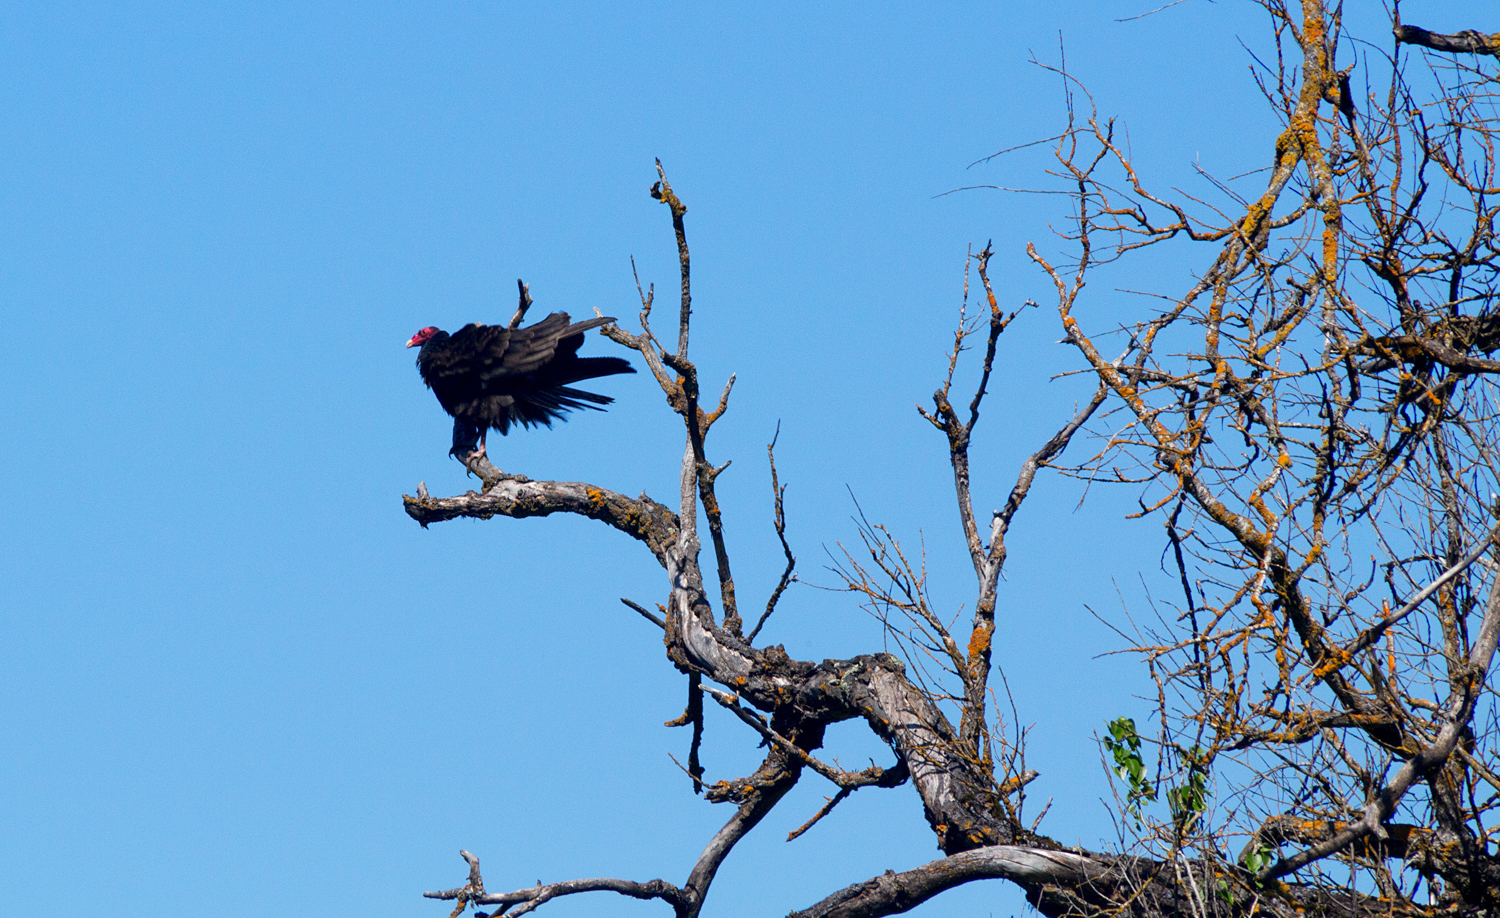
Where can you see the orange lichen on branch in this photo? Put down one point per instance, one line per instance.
(979, 641)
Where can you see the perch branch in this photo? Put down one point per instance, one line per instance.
(640, 518)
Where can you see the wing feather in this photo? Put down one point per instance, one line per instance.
(493, 376)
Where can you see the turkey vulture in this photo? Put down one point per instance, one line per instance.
(493, 376)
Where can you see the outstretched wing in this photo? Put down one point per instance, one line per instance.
(505, 354)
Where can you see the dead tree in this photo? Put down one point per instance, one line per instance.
(1313, 422)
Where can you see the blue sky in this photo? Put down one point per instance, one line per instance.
(235, 677)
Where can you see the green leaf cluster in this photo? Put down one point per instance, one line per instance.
(1124, 744)
(1189, 799)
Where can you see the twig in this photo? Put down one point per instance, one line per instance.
(827, 808)
(647, 615)
(662, 191)
(693, 714)
(779, 517)
(525, 304)
(1373, 634)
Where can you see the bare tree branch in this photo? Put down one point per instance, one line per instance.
(1466, 42)
(894, 893)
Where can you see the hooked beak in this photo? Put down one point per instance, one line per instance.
(412, 342)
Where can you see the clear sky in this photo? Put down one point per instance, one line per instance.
(236, 679)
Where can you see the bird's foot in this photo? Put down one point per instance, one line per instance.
(478, 463)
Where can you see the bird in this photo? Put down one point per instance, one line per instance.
(494, 376)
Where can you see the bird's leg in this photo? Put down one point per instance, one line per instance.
(480, 453)
(478, 463)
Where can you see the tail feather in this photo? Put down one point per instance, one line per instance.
(576, 398)
(580, 368)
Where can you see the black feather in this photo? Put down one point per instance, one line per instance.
(490, 376)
